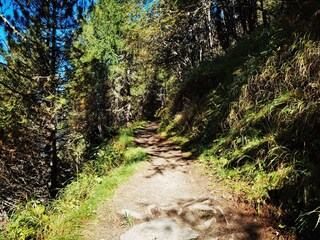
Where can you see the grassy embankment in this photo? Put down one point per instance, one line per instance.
(253, 117)
(77, 202)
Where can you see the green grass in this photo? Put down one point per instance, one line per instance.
(134, 154)
(62, 219)
(69, 213)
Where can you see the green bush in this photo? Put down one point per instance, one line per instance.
(28, 222)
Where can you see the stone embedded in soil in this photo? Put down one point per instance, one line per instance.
(160, 229)
(190, 218)
(207, 224)
(201, 207)
(133, 214)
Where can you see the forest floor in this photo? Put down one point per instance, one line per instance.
(171, 197)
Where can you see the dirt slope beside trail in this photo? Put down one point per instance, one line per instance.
(170, 198)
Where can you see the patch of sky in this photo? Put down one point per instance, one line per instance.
(149, 3)
(5, 9)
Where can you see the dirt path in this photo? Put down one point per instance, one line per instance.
(170, 198)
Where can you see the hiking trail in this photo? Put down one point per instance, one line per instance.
(172, 198)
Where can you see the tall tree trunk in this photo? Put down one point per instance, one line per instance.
(264, 14)
(54, 86)
(252, 15)
(209, 28)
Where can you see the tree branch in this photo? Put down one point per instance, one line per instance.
(14, 29)
(12, 89)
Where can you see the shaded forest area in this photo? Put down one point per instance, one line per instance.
(236, 81)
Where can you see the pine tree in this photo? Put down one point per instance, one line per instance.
(102, 60)
(33, 77)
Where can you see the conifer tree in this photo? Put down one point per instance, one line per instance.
(104, 73)
(33, 75)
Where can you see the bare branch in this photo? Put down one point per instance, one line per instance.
(14, 29)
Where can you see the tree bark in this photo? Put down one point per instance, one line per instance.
(264, 14)
(54, 84)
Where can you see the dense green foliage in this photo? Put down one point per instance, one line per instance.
(68, 82)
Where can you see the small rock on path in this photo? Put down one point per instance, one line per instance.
(160, 229)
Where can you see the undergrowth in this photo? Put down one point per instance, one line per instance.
(114, 162)
(255, 121)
